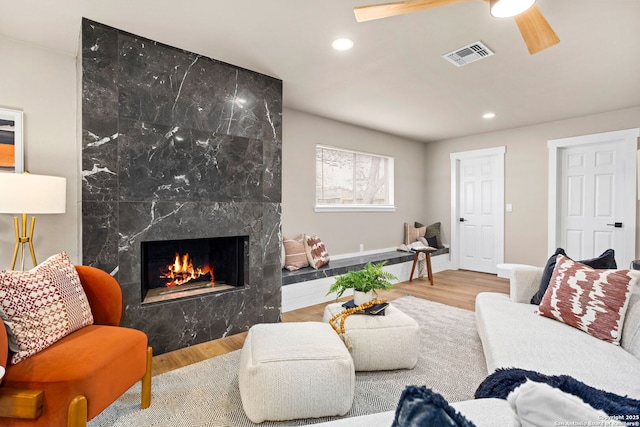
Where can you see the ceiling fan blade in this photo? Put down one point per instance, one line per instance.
(535, 30)
(385, 10)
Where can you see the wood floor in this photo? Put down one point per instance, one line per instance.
(452, 287)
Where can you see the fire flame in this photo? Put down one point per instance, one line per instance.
(182, 271)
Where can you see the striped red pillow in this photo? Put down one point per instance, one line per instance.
(295, 256)
(594, 301)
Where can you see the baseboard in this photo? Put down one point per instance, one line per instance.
(304, 294)
(440, 263)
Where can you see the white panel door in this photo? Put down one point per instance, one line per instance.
(477, 214)
(588, 202)
(596, 195)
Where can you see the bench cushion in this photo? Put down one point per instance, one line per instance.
(342, 265)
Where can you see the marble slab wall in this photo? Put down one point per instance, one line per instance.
(176, 146)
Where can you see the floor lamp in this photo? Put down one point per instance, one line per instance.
(35, 194)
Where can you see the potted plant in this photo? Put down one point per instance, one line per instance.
(365, 282)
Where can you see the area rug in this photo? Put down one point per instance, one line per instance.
(451, 362)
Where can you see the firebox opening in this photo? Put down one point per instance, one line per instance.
(174, 269)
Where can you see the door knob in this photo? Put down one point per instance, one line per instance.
(462, 220)
(616, 225)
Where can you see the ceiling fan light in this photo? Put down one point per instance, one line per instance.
(509, 8)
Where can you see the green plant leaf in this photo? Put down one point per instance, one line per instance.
(370, 278)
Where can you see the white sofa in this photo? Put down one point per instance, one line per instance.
(514, 336)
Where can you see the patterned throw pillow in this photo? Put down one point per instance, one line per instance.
(295, 256)
(594, 301)
(42, 305)
(317, 254)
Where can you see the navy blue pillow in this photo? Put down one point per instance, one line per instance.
(420, 407)
(605, 261)
(432, 241)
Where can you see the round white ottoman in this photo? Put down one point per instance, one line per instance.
(380, 343)
(295, 370)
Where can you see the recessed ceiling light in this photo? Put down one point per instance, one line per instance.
(342, 44)
(488, 115)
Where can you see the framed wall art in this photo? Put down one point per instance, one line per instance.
(11, 141)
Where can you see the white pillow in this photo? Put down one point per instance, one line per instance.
(538, 404)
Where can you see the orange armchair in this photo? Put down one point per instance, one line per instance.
(76, 378)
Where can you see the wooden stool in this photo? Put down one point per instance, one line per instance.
(427, 253)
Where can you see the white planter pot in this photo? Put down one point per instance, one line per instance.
(360, 298)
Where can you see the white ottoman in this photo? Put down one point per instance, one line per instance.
(380, 343)
(295, 370)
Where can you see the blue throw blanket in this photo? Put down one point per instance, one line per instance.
(504, 380)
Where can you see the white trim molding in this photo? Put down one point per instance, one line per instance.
(354, 208)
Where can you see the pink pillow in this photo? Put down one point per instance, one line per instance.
(594, 301)
(411, 233)
(295, 256)
(42, 305)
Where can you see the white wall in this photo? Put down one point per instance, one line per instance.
(526, 181)
(42, 83)
(343, 232)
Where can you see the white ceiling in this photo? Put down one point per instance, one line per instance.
(394, 79)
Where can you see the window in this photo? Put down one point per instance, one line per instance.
(353, 181)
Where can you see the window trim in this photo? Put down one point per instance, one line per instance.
(320, 208)
(354, 208)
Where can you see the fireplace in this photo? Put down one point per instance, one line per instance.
(173, 269)
(221, 175)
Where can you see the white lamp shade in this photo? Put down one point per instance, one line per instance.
(33, 194)
(509, 8)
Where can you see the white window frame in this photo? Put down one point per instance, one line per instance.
(359, 207)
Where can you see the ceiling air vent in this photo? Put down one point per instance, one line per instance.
(468, 54)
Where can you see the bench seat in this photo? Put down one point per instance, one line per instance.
(307, 286)
(341, 266)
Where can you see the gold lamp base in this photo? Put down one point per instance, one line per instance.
(22, 240)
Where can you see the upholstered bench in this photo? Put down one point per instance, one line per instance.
(295, 370)
(380, 343)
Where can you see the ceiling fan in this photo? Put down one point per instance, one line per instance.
(535, 30)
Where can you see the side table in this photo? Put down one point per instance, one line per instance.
(427, 253)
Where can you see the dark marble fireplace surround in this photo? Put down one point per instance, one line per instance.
(177, 146)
